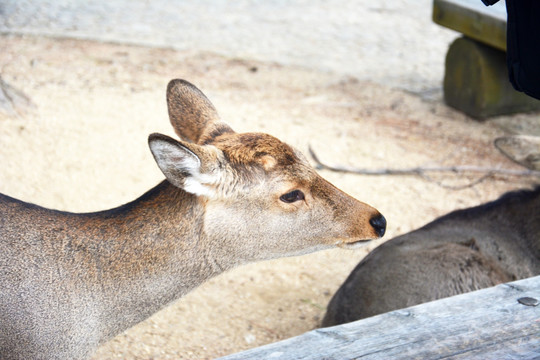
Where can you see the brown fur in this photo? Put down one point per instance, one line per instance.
(71, 282)
(251, 149)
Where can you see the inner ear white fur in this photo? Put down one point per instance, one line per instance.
(181, 166)
(199, 185)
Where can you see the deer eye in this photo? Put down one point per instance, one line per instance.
(295, 195)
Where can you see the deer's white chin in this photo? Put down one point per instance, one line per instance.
(353, 245)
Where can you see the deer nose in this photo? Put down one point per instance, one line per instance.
(379, 224)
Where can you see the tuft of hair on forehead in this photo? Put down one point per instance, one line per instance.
(256, 149)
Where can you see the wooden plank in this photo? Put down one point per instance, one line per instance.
(486, 24)
(485, 324)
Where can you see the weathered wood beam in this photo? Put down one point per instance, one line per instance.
(486, 24)
(502, 322)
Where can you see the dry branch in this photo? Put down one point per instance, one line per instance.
(424, 171)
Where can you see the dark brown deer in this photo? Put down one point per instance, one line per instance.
(463, 251)
(70, 282)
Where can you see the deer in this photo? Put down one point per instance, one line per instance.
(72, 281)
(462, 251)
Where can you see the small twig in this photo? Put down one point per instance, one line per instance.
(457, 187)
(422, 171)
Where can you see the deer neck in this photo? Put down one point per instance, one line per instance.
(148, 253)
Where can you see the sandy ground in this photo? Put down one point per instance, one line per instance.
(83, 148)
(389, 41)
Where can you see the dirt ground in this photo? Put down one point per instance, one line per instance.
(82, 147)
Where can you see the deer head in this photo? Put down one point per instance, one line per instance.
(262, 198)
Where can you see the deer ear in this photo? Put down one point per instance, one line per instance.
(181, 163)
(192, 115)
